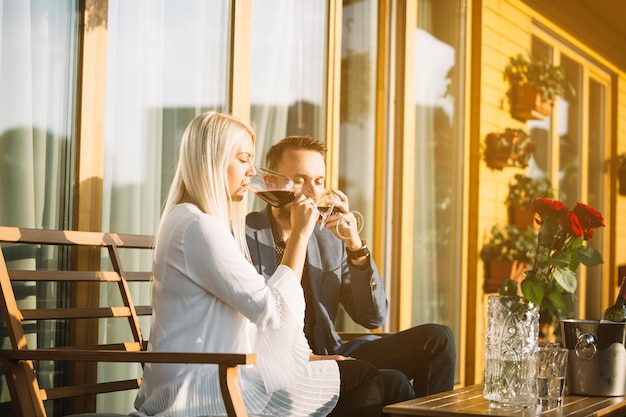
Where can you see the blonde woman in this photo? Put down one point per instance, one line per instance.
(207, 296)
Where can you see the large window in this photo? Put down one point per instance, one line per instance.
(166, 62)
(438, 168)
(357, 139)
(571, 150)
(287, 71)
(38, 79)
(38, 63)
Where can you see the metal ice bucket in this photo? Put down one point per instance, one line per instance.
(597, 357)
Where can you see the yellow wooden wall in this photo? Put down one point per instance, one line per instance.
(620, 217)
(619, 221)
(504, 30)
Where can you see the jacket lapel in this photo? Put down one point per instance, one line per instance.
(263, 241)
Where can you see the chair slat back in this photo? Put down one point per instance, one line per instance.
(23, 382)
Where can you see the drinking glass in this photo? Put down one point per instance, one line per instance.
(551, 368)
(326, 204)
(272, 187)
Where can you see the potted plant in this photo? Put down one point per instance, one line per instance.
(522, 192)
(513, 147)
(507, 244)
(535, 84)
(621, 173)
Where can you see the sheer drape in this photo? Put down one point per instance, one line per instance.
(287, 85)
(357, 147)
(438, 162)
(38, 42)
(37, 66)
(433, 59)
(167, 61)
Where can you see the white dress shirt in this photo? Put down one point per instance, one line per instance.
(207, 297)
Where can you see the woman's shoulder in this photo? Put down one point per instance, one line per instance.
(191, 213)
(189, 218)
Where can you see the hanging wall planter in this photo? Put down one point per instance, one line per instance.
(529, 104)
(505, 245)
(496, 272)
(535, 85)
(511, 148)
(523, 190)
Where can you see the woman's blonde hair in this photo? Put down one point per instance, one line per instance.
(209, 144)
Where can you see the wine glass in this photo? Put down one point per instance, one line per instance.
(326, 205)
(272, 187)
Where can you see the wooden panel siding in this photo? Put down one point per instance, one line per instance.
(510, 33)
(495, 110)
(506, 32)
(620, 220)
(507, 27)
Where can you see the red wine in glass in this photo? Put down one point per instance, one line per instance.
(326, 207)
(273, 188)
(325, 214)
(276, 198)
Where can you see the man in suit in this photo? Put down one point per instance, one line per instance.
(340, 270)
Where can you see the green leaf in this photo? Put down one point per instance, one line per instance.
(577, 242)
(533, 291)
(566, 278)
(557, 301)
(559, 259)
(589, 256)
(509, 287)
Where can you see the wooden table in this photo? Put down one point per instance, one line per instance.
(469, 401)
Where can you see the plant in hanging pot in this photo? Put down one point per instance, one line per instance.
(523, 191)
(513, 148)
(535, 84)
(559, 252)
(506, 245)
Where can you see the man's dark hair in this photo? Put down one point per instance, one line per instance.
(275, 153)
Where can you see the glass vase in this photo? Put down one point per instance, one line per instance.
(511, 352)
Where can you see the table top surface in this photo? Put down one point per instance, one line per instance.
(469, 401)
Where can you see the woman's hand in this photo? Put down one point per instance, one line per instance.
(304, 215)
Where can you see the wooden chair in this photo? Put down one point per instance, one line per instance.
(84, 249)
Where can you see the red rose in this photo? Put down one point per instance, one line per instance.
(589, 217)
(571, 223)
(547, 207)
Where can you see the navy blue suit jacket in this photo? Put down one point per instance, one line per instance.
(333, 281)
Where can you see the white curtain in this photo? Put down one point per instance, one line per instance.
(438, 163)
(167, 61)
(38, 43)
(37, 79)
(287, 84)
(357, 134)
(430, 74)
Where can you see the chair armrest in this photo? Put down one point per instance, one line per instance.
(227, 364)
(95, 355)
